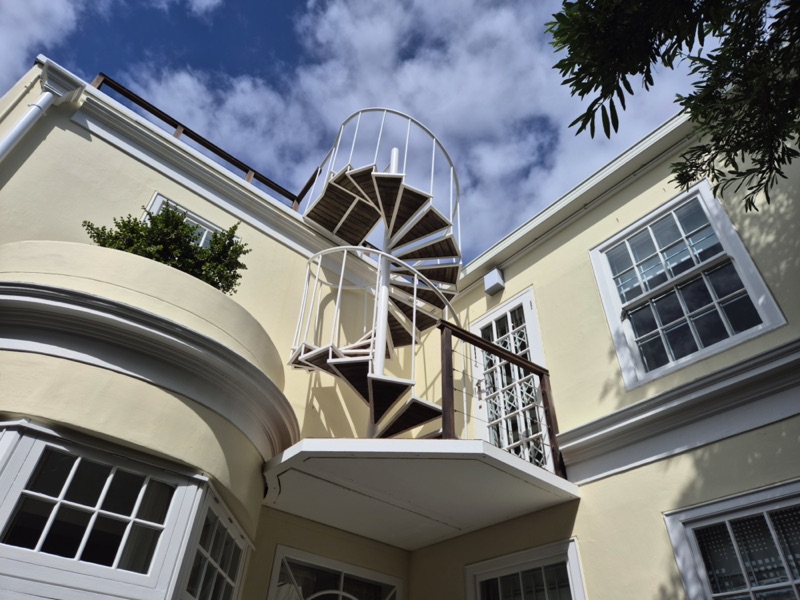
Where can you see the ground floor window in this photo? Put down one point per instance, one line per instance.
(219, 555)
(547, 573)
(741, 548)
(299, 575)
(83, 518)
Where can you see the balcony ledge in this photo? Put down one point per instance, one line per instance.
(129, 314)
(409, 493)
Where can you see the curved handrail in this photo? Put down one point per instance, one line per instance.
(413, 120)
(396, 261)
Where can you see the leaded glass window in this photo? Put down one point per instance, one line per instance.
(753, 557)
(515, 418)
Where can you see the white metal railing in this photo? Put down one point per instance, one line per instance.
(368, 136)
(335, 273)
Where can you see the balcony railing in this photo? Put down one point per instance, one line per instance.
(511, 397)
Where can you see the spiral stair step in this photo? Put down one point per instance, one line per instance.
(363, 179)
(319, 358)
(388, 186)
(446, 273)
(440, 248)
(416, 412)
(429, 222)
(384, 393)
(425, 294)
(355, 371)
(423, 321)
(410, 201)
(295, 359)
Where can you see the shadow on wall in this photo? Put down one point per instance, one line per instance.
(728, 467)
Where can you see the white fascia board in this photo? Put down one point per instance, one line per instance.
(133, 134)
(418, 449)
(631, 164)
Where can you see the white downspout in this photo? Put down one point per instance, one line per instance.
(29, 119)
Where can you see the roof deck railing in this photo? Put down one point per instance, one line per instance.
(179, 130)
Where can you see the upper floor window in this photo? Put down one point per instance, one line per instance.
(678, 286)
(205, 229)
(509, 399)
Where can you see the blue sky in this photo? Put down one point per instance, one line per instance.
(271, 80)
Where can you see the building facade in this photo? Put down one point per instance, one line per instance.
(605, 404)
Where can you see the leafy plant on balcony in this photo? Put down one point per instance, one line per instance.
(168, 238)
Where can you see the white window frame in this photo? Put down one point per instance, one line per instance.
(542, 556)
(282, 552)
(681, 523)
(214, 503)
(35, 572)
(480, 407)
(630, 360)
(205, 227)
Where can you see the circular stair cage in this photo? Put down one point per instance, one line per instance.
(387, 193)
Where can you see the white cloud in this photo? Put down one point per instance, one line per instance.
(27, 28)
(477, 72)
(196, 7)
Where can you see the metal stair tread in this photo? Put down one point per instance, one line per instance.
(416, 412)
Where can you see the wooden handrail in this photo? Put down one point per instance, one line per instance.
(448, 401)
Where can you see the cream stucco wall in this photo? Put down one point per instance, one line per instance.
(44, 197)
(134, 413)
(618, 522)
(578, 348)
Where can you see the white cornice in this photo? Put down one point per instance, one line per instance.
(65, 86)
(135, 135)
(750, 394)
(125, 339)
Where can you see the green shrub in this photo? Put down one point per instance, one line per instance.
(166, 237)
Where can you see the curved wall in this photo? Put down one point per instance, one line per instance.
(139, 353)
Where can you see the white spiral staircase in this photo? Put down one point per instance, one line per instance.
(397, 264)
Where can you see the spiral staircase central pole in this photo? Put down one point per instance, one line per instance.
(384, 270)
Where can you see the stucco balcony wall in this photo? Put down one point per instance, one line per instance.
(140, 353)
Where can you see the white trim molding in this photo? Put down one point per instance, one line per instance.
(745, 396)
(112, 335)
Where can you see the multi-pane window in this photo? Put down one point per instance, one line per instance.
(82, 509)
(550, 582)
(680, 285)
(203, 229)
(306, 578)
(90, 521)
(744, 547)
(218, 559)
(673, 321)
(514, 413)
(753, 557)
(549, 572)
